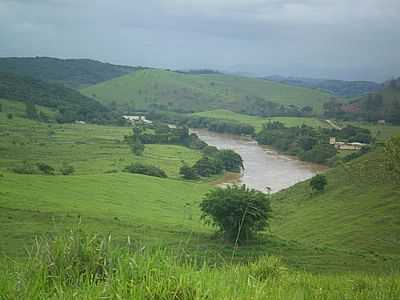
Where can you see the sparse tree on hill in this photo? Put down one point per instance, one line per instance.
(318, 182)
(392, 156)
(238, 212)
(137, 147)
(30, 111)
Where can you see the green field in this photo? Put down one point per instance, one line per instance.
(257, 122)
(165, 211)
(197, 92)
(90, 149)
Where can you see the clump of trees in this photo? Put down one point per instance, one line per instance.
(237, 211)
(222, 126)
(144, 169)
(38, 168)
(307, 143)
(318, 183)
(188, 172)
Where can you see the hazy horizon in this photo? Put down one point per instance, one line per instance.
(302, 38)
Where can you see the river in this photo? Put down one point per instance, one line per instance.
(263, 167)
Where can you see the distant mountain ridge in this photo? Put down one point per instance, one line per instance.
(75, 73)
(339, 88)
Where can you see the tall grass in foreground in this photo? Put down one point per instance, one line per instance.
(82, 266)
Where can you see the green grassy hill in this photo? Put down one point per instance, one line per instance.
(187, 92)
(71, 72)
(70, 104)
(359, 210)
(314, 233)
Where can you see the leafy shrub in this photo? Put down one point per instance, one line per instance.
(138, 168)
(9, 116)
(208, 166)
(188, 172)
(45, 168)
(67, 169)
(237, 211)
(231, 160)
(25, 168)
(318, 182)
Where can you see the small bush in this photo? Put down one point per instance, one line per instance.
(45, 168)
(188, 173)
(25, 168)
(10, 116)
(318, 183)
(149, 170)
(67, 169)
(267, 267)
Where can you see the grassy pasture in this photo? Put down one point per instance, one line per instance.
(198, 92)
(91, 149)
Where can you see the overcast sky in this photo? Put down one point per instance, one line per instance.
(343, 39)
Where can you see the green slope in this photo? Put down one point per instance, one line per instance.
(71, 72)
(359, 210)
(71, 104)
(91, 149)
(185, 92)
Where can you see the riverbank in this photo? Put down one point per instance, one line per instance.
(263, 167)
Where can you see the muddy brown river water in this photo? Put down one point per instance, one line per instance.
(263, 167)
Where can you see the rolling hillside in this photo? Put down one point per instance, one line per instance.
(70, 104)
(71, 72)
(359, 210)
(189, 93)
(338, 88)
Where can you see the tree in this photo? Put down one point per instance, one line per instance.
(188, 172)
(238, 212)
(392, 156)
(232, 161)
(1, 107)
(208, 166)
(9, 116)
(30, 111)
(137, 147)
(318, 182)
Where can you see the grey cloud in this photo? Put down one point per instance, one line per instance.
(342, 39)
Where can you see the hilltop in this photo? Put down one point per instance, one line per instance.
(182, 92)
(69, 104)
(71, 72)
(338, 88)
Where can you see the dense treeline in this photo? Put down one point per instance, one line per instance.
(211, 124)
(70, 104)
(260, 107)
(307, 143)
(384, 105)
(71, 72)
(213, 161)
